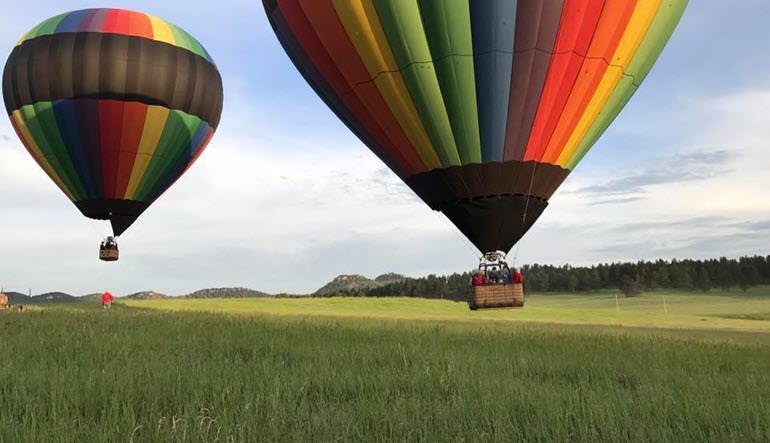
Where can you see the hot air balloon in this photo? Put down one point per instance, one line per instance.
(483, 107)
(114, 105)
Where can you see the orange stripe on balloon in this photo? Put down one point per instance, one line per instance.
(134, 114)
(303, 31)
(610, 29)
(576, 30)
(139, 25)
(332, 34)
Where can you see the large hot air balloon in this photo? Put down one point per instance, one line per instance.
(114, 105)
(483, 107)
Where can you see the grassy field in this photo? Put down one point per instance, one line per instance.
(718, 310)
(565, 368)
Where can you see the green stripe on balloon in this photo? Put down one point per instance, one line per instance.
(41, 122)
(661, 28)
(46, 28)
(186, 41)
(403, 27)
(448, 30)
(177, 134)
(191, 125)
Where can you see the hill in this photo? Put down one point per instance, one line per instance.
(54, 297)
(227, 293)
(390, 277)
(345, 284)
(145, 295)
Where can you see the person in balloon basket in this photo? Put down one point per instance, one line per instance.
(107, 299)
(504, 275)
(517, 277)
(478, 277)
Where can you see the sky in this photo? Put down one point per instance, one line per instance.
(285, 197)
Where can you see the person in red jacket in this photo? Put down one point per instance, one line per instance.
(517, 277)
(107, 299)
(478, 278)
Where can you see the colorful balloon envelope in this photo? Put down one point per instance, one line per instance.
(483, 107)
(114, 105)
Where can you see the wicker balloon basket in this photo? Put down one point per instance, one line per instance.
(490, 296)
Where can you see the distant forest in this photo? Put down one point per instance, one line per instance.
(631, 278)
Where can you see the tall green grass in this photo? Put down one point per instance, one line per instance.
(150, 375)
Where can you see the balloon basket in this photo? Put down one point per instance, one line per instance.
(490, 296)
(108, 252)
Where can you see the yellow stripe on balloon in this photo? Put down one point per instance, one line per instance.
(161, 31)
(640, 21)
(154, 123)
(37, 153)
(362, 24)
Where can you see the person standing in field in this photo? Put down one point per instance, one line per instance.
(107, 299)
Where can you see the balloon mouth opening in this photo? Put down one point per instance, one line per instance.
(120, 213)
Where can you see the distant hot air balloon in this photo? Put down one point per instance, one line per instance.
(483, 107)
(114, 105)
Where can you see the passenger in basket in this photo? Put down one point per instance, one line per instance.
(478, 278)
(517, 277)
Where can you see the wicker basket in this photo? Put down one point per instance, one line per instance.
(3, 300)
(108, 254)
(497, 296)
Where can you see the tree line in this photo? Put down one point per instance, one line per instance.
(631, 278)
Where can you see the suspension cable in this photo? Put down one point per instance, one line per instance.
(524, 216)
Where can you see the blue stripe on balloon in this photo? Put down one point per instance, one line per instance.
(72, 21)
(184, 159)
(493, 24)
(87, 117)
(66, 119)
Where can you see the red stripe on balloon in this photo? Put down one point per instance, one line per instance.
(578, 24)
(303, 32)
(200, 150)
(329, 29)
(610, 29)
(110, 134)
(116, 21)
(134, 115)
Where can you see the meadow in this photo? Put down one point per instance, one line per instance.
(565, 368)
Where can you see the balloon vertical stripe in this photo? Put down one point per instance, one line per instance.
(508, 95)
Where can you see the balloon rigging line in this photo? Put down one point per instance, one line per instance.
(524, 216)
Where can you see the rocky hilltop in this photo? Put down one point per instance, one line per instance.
(353, 282)
(227, 293)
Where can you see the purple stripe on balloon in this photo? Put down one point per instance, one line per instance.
(94, 20)
(73, 20)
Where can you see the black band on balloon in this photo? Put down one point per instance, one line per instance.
(495, 223)
(121, 213)
(440, 187)
(112, 66)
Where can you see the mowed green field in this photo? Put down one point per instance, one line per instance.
(565, 368)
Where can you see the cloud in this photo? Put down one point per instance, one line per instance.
(677, 168)
(615, 201)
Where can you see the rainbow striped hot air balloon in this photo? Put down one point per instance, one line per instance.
(114, 105)
(483, 107)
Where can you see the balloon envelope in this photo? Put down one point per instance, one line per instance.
(114, 105)
(483, 107)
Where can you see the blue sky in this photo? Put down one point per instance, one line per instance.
(285, 197)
